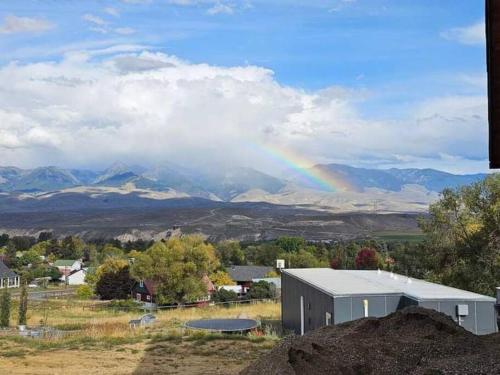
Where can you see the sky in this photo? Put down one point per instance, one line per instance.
(371, 83)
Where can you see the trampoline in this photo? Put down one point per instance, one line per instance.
(223, 325)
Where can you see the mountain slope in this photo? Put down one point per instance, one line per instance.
(347, 178)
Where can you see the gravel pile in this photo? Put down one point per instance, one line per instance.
(409, 341)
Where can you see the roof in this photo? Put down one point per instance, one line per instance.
(6, 272)
(357, 282)
(208, 283)
(64, 263)
(271, 280)
(248, 273)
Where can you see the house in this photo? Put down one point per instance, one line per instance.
(75, 277)
(238, 289)
(315, 297)
(8, 278)
(67, 266)
(243, 275)
(145, 291)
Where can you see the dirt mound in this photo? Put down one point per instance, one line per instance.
(409, 341)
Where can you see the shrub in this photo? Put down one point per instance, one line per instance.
(84, 291)
(223, 295)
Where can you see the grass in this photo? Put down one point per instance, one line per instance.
(392, 236)
(104, 337)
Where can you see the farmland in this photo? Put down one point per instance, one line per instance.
(100, 341)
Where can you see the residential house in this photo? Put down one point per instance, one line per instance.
(67, 266)
(8, 278)
(76, 277)
(145, 291)
(243, 275)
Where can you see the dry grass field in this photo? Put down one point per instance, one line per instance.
(100, 341)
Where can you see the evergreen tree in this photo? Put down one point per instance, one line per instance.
(23, 304)
(5, 308)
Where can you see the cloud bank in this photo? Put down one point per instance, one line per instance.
(91, 108)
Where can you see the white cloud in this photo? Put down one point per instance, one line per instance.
(220, 8)
(152, 108)
(94, 19)
(137, 1)
(471, 35)
(112, 11)
(13, 24)
(124, 30)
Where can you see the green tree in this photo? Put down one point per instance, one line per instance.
(223, 295)
(5, 308)
(23, 304)
(114, 280)
(262, 255)
(463, 236)
(261, 290)
(291, 244)
(177, 266)
(72, 248)
(230, 253)
(303, 259)
(110, 251)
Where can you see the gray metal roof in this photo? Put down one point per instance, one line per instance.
(6, 272)
(358, 282)
(248, 273)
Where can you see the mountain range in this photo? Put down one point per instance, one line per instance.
(136, 202)
(223, 184)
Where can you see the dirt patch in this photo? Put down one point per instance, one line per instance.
(410, 341)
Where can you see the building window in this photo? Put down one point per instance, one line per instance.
(138, 297)
(148, 297)
(141, 284)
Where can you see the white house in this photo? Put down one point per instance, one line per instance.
(67, 266)
(76, 277)
(8, 278)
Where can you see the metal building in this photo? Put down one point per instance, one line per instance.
(314, 297)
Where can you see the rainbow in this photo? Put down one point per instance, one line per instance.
(315, 177)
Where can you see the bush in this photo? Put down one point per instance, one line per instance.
(84, 292)
(223, 295)
(261, 290)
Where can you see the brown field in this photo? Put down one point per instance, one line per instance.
(101, 342)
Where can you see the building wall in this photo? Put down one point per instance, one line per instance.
(78, 278)
(481, 319)
(352, 307)
(316, 305)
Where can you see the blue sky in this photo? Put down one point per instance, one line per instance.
(391, 58)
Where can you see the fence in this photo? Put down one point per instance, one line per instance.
(152, 307)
